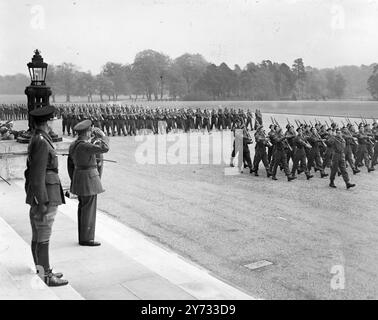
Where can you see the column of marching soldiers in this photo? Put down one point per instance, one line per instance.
(308, 145)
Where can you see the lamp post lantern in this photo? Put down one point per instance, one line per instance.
(38, 94)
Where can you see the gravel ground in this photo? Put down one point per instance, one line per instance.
(313, 234)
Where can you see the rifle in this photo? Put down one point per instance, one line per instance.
(297, 122)
(327, 124)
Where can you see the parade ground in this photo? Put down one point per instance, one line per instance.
(265, 239)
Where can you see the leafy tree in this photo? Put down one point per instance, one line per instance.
(66, 75)
(116, 73)
(104, 86)
(373, 83)
(86, 85)
(192, 67)
(300, 76)
(340, 84)
(148, 68)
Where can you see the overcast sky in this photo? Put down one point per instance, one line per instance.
(88, 33)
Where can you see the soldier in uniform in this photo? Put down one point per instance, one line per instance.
(260, 151)
(362, 151)
(85, 178)
(300, 155)
(280, 155)
(44, 193)
(338, 159)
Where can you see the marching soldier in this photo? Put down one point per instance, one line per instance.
(362, 151)
(300, 155)
(280, 155)
(260, 151)
(85, 178)
(338, 160)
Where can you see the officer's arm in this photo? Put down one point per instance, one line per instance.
(37, 172)
(101, 147)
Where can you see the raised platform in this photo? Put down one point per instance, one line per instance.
(127, 265)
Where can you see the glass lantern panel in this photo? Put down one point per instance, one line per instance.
(38, 74)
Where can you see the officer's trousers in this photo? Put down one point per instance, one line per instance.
(86, 217)
(338, 163)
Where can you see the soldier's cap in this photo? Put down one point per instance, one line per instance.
(3, 129)
(43, 113)
(333, 124)
(299, 128)
(83, 125)
(272, 126)
(288, 126)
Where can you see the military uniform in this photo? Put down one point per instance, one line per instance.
(338, 160)
(85, 179)
(44, 194)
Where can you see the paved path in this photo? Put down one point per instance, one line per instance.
(127, 266)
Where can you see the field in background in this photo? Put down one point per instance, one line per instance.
(367, 109)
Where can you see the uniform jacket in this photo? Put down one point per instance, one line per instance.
(82, 166)
(42, 183)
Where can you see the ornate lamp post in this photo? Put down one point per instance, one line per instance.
(38, 94)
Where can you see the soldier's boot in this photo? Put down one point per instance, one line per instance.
(332, 184)
(355, 170)
(299, 171)
(323, 174)
(350, 185)
(371, 169)
(268, 173)
(291, 178)
(309, 176)
(274, 178)
(232, 162)
(43, 266)
(52, 280)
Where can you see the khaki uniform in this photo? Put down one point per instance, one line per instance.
(85, 182)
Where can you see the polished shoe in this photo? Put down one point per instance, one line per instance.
(251, 171)
(90, 243)
(323, 175)
(371, 169)
(52, 281)
(309, 176)
(256, 174)
(56, 274)
(356, 171)
(268, 174)
(291, 178)
(332, 184)
(274, 178)
(350, 185)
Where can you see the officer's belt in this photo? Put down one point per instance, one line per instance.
(52, 170)
(85, 167)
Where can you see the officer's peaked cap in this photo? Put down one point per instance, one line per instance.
(83, 125)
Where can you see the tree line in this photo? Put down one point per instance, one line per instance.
(154, 75)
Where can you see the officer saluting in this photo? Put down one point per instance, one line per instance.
(43, 193)
(85, 178)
